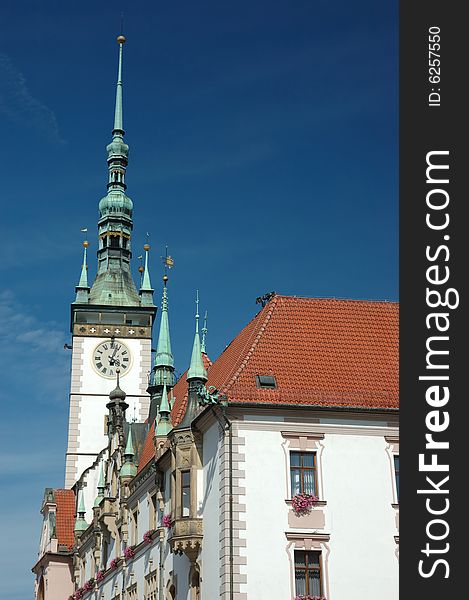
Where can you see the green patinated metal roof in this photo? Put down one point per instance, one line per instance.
(197, 369)
(114, 287)
(164, 425)
(164, 356)
(129, 468)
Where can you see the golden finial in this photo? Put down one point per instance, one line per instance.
(165, 278)
(146, 247)
(141, 269)
(86, 244)
(121, 39)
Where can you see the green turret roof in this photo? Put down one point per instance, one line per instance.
(80, 523)
(197, 369)
(129, 468)
(164, 425)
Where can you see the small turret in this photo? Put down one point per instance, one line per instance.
(129, 468)
(83, 289)
(196, 375)
(80, 524)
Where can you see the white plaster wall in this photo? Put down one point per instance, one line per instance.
(358, 490)
(210, 557)
(357, 484)
(268, 571)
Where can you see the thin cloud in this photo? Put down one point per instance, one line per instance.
(38, 347)
(19, 106)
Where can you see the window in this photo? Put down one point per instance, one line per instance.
(266, 382)
(134, 527)
(185, 493)
(153, 512)
(303, 473)
(132, 593)
(308, 573)
(396, 474)
(151, 586)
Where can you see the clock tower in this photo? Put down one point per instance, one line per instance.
(111, 323)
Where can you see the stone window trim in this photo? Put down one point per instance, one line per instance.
(294, 441)
(309, 541)
(392, 450)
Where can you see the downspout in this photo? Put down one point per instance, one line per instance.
(160, 566)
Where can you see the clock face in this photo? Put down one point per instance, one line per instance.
(109, 356)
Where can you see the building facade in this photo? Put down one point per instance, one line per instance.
(272, 472)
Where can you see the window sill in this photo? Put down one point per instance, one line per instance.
(396, 506)
(318, 503)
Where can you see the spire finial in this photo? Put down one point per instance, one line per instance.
(118, 117)
(204, 333)
(197, 311)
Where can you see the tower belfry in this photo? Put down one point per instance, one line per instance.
(111, 323)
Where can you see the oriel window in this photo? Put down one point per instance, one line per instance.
(185, 493)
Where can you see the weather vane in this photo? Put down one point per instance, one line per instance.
(168, 263)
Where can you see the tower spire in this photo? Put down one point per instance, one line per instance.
(146, 291)
(83, 289)
(164, 424)
(114, 284)
(162, 373)
(197, 368)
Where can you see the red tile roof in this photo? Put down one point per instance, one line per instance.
(65, 516)
(322, 352)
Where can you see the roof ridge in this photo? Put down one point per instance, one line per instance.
(272, 304)
(338, 298)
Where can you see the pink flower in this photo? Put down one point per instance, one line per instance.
(99, 576)
(129, 552)
(114, 562)
(302, 504)
(89, 585)
(147, 536)
(166, 521)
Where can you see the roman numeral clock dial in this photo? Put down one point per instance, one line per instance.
(109, 356)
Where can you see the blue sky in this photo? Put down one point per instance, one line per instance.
(263, 151)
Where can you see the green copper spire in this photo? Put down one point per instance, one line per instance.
(114, 284)
(101, 487)
(204, 334)
(83, 289)
(146, 291)
(129, 468)
(163, 367)
(164, 356)
(80, 524)
(197, 369)
(164, 425)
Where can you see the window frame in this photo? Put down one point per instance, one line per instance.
(302, 469)
(185, 487)
(319, 569)
(396, 474)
